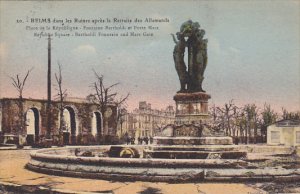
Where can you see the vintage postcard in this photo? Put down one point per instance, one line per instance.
(150, 97)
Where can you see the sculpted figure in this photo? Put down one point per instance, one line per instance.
(190, 36)
(200, 59)
(178, 55)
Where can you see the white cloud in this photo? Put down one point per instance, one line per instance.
(86, 49)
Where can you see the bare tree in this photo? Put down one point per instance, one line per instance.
(122, 112)
(251, 112)
(240, 122)
(105, 96)
(60, 96)
(255, 122)
(226, 114)
(213, 112)
(236, 123)
(217, 119)
(19, 85)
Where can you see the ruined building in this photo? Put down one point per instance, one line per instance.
(83, 121)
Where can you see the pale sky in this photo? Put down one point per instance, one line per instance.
(253, 50)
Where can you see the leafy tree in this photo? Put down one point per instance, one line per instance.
(268, 116)
(290, 115)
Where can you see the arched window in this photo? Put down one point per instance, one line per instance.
(96, 123)
(32, 125)
(70, 123)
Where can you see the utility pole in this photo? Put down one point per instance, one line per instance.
(48, 134)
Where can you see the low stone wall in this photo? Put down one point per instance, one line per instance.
(268, 149)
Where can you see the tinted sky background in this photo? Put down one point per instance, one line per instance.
(253, 50)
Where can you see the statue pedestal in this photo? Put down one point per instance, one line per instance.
(191, 136)
(190, 127)
(191, 108)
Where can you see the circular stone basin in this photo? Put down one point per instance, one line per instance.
(95, 163)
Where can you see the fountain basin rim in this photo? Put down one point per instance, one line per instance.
(49, 156)
(154, 170)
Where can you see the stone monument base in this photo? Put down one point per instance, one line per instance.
(193, 152)
(192, 140)
(191, 107)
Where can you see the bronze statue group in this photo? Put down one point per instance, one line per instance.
(190, 37)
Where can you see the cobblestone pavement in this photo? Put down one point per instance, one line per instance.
(12, 170)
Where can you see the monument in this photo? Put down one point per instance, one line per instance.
(191, 125)
(191, 100)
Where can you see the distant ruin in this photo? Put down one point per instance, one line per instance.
(85, 121)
